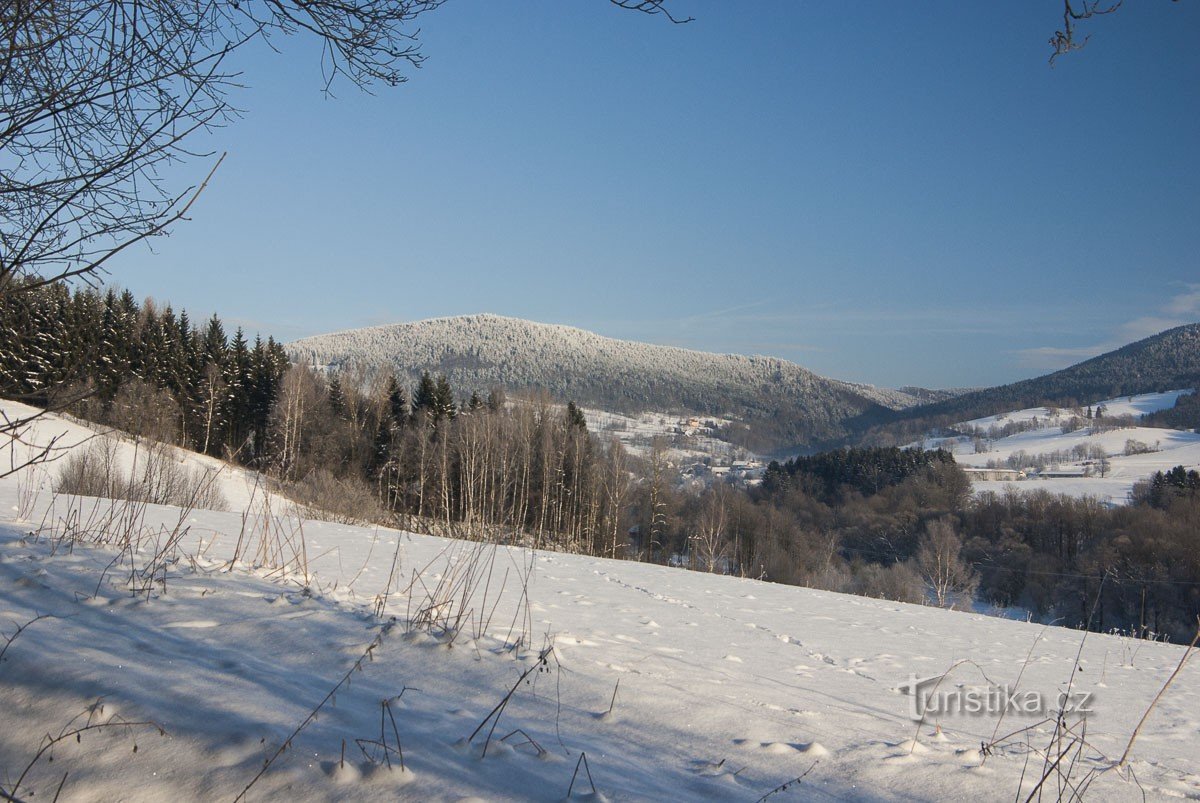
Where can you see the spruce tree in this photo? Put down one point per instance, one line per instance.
(215, 344)
(337, 399)
(239, 380)
(444, 407)
(575, 417)
(425, 399)
(396, 404)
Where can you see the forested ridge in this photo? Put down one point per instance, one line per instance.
(374, 446)
(781, 404)
(1167, 361)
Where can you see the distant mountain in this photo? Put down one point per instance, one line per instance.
(931, 395)
(1168, 360)
(782, 404)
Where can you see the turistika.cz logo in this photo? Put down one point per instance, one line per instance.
(935, 697)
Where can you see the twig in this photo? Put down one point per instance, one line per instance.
(582, 760)
(500, 706)
(8, 640)
(613, 701)
(1187, 653)
(783, 787)
(312, 715)
(76, 733)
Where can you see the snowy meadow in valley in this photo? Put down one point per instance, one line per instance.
(251, 653)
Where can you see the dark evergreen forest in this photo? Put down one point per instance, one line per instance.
(361, 446)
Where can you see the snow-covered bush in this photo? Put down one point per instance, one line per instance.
(154, 477)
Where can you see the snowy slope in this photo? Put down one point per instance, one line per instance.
(725, 688)
(1169, 359)
(477, 352)
(686, 438)
(1170, 447)
(1136, 406)
(238, 487)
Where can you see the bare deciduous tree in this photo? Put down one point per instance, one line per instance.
(710, 539)
(98, 97)
(940, 563)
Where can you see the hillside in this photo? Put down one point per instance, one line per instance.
(1170, 359)
(783, 403)
(307, 660)
(1054, 450)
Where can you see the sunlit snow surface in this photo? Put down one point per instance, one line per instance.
(1172, 448)
(727, 687)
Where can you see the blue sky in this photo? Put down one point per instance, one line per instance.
(884, 192)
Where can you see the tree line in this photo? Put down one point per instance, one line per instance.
(1166, 361)
(359, 445)
(143, 369)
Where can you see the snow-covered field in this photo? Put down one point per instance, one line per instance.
(1171, 447)
(66, 436)
(676, 685)
(685, 438)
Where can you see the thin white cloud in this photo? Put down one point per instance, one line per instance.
(1051, 358)
(720, 314)
(1182, 308)
(1186, 303)
(1146, 326)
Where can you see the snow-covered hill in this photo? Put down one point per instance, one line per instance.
(300, 658)
(235, 488)
(477, 352)
(1169, 359)
(1063, 452)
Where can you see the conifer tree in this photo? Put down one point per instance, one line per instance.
(575, 417)
(113, 363)
(239, 383)
(337, 399)
(396, 402)
(443, 405)
(425, 398)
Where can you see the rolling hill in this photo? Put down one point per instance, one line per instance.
(1170, 359)
(782, 403)
(254, 655)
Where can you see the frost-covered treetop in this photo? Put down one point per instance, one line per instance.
(479, 351)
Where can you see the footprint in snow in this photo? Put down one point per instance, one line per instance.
(804, 712)
(784, 748)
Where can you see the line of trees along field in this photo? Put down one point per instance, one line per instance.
(353, 445)
(883, 522)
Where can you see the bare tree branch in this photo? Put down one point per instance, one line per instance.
(1065, 40)
(651, 7)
